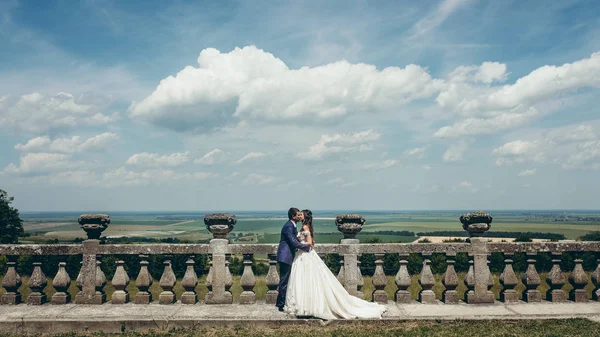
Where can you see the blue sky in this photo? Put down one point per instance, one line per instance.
(253, 105)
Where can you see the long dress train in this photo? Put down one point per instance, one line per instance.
(313, 290)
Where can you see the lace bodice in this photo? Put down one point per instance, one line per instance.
(302, 235)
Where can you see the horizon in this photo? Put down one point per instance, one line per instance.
(441, 105)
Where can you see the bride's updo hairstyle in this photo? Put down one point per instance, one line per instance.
(308, 218)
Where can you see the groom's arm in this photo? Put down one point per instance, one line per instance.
(288, 234)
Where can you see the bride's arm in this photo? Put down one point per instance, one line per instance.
(309, 239)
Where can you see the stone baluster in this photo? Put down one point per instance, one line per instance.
(79, 283)
(143, 282)
(477, 224)
(403, 281)
(341, 276)
(427, 281)
(37, 283)
(209, 278)
(470, 281)
(99, 295)
(596, 280)
(61, 283)
(490, 277)
(579, 280)
(272, 280)
(219, 224)
(556, 280)
(189, 283)
(509, 281)
(361, 281)
(228, 277)
(11, 283)
(350, 225)
(167, 282)
(93, 225)
(248, 281)
(379, 281)
(120, 281)
(450, 282)
(531, 279)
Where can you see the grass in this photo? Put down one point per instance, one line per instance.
(492, 328)
(261, 288)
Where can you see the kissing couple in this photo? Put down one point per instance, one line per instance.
(306, 285)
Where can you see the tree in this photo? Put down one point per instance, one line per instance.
(11, 225)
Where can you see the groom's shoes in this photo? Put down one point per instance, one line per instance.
(280, 308)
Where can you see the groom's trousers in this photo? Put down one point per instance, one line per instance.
(284, 276)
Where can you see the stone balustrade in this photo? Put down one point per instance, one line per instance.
(478, 280)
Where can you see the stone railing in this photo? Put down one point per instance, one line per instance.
(91, 280)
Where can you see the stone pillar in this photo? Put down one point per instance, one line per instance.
(119, 282)
(509, 281)
(79, 283)
(379, 281)
(579, 280)
(350, 225)
(143, 282)
(556, 280)
(272, 280)
(189, 282)
(341, 276)
(427, 281)
(11, 283)
(219, 224)
(450, 282)
(477, 224)
(470, 281)
(37, 283)
(167, 282)
(403, 281)
(596, 280)
(248, 281)
(93, 225)
(61, 283)
(531, 279)
(228, 276)
(209, 278)
(361, 281)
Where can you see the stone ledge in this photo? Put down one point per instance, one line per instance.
(116, 318)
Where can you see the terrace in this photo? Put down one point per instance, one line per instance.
(89, 309)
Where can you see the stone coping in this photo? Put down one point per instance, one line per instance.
(111, 318)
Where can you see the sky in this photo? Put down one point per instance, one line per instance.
(264, 105)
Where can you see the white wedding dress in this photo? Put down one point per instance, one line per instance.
(313, 290)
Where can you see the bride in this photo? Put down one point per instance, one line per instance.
(313, 290)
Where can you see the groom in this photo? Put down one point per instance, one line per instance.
(286, 252)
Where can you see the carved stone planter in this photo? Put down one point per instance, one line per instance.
(94, 224)
(349, 224)
(476, 223)
(220, 224)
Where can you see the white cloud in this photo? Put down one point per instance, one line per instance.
(251, 84)
(252, 156)
(417, 152)
(322, 171)
(259, 179)
(337, 180)
(32, 163)
(487, 73)
(156, 160)
(68, 145)
(211, 157)
(383, 165)
(36, 113)
(484, 126)
(436, 17)
(455, 152)
(526, 173)
(339, 143)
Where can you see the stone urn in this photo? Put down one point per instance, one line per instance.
(93, 224)
(476, 223)
(220, 224)
(349, 224)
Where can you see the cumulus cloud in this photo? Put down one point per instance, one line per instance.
(157, 160)
(339, 143)
(455, 152)
(571, 147)
(68, 145)
(252, 156)
(415, 152)
(251, 84)
(259, 179)
(526, 173)
(486, 126)
(37, 113)
(211, 157)
(382, 165)
(33, 163)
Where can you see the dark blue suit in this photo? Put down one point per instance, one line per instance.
(285, 256)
